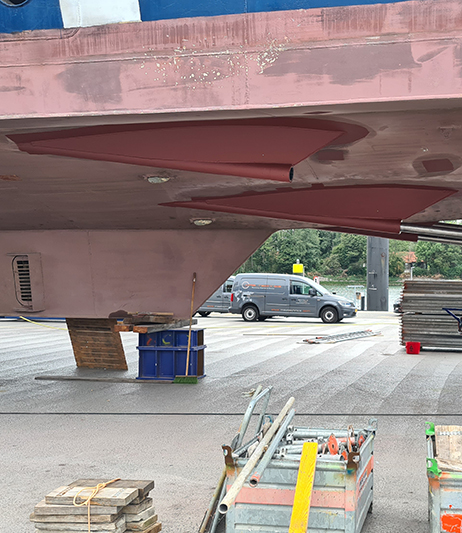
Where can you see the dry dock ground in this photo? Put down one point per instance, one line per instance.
(53, 432)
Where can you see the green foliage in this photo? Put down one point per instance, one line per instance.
(349, 254)
(420, 272)
(282, 250)
(400, 246)
(341, 254)
(395, 263)
(443, 259)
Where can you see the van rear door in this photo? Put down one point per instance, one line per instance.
(277, 296)
(227, 290)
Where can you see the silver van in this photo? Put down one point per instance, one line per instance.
(261, 296)
(220, 300)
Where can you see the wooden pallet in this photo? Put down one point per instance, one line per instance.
(96, 343)
(152, 328)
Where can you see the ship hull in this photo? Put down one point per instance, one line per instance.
(116, 140)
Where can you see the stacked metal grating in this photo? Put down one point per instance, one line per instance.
(444, 473)
(121, 506)
(423, 317)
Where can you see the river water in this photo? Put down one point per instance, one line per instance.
(348, 289)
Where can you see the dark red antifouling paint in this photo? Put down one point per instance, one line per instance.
(255, 148)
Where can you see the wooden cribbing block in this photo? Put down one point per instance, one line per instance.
(137, 508)
(114, 527)
(142, 525)
(45, 509)
(143, 486)
(74, 518)
(141, 517)
(149, 318)
(108, 496)
(96, 343)
(155, 528)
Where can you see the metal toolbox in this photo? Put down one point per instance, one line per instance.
(342, 492)
(300, 478)
(444, 479)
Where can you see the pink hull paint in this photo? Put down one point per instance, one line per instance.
(356, 54)
(110, 240)
(92, 274)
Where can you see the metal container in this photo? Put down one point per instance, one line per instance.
(163, 354)
(444, 492)
(342, 492)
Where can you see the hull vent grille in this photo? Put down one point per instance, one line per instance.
(22, 280)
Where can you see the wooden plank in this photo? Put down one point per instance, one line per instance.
(106, 380)
(142, 517)
(45, 509)
(304, 488)
(144, 487)
(148, 318)
(114, 527)
(154, 528)
(123, 327)
(137, 508)
(142, 525)
(177, 324)
(109, 496)
(74, 518)
(448, 441)
(96, 344)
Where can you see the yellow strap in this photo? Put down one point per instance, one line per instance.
(38, 324)
(94, 492)
(304, 488)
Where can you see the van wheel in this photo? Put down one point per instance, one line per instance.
(329, 315)
(250, 313)
(205, 313)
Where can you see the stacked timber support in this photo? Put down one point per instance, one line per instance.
(122, 505)
(96, 344)
(423, 317)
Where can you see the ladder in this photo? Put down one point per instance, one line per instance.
(331, 339)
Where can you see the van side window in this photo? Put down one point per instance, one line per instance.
(298, 287)
(228, 286)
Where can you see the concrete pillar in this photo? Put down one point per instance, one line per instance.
(377, 274)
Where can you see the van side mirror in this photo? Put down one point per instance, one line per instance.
(312, 292)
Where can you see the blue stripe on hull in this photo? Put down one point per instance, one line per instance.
(46, 14)
(34, 15)
(165, 9)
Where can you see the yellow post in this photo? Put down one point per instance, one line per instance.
(304, 488)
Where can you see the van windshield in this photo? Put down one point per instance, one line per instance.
(319, 288)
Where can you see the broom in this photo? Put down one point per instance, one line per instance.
(186, 378)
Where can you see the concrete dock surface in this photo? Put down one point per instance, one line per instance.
(56, 431)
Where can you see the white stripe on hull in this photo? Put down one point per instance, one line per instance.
(83, 13)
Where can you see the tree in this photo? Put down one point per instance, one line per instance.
(395, 265)
(351, 254)
(282, 250)
(444, 259)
